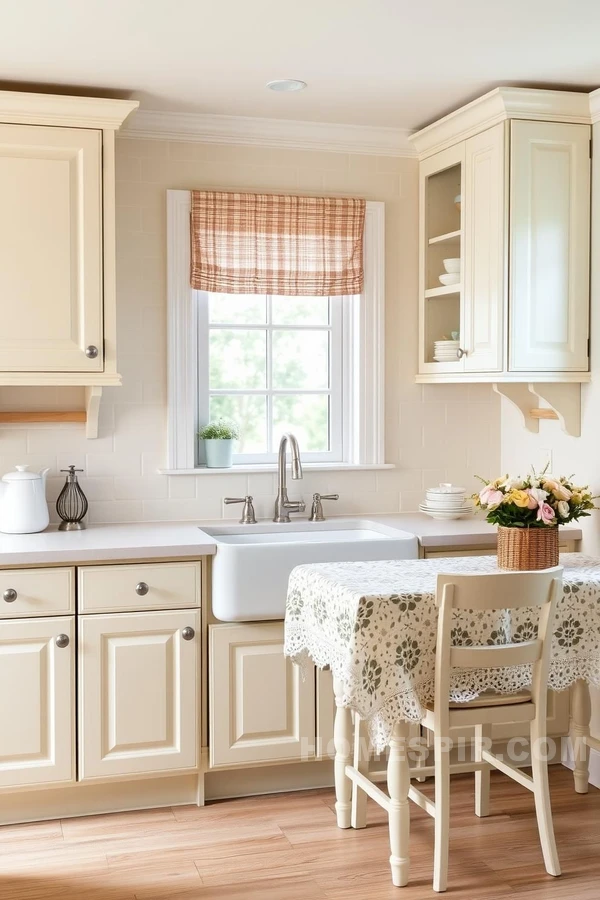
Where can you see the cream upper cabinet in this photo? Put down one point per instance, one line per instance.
(51, 238)
(57, 232)
(504, 238)
(37, 701)
(139, 688)
(549, 246)
(484, 250)
(261, 709)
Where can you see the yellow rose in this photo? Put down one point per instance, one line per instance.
(519, 498)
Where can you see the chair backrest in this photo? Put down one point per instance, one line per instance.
(498, 591)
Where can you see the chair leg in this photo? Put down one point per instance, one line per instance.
(342, 739)
(442, 812)
(399, 810)
(483, 738)
(541, 793)
(361, 762)
(422, 758)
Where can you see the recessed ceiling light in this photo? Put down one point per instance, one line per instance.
(286, 84)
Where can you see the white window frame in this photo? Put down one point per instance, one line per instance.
(362, 433)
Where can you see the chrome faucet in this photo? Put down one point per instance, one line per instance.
(284, 506)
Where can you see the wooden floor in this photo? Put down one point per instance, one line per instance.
(288, 846)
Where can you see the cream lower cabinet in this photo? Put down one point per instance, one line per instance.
(261, 710)
(37, 701)
(139, 693)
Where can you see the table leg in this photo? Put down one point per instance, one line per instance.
(581, 713)
(399, 810)
(361, 762)
(342, 741)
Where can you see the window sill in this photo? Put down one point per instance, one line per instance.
(272, 467)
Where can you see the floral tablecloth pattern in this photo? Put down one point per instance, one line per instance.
(374, 624)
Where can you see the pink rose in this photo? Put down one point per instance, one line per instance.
(489, 496)
(545, 514)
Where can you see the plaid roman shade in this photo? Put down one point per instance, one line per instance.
(276, 244)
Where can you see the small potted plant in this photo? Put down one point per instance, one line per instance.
(218, 437)
(528, 512)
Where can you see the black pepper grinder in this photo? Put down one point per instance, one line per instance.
(72, 503)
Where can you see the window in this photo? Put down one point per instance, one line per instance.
(273, 364)
(311, 365)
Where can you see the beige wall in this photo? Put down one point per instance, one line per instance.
(579, 456)
(433, 433)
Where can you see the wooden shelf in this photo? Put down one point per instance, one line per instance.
(449, 236)
(88, 416)
(444, 290)
(74, 415)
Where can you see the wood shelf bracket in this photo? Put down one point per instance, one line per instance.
(563, 399)
(519, 396)
(93, 396)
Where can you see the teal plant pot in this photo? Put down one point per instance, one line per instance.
(219, 453)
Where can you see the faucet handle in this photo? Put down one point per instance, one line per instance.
(248, 516)
(316, 514)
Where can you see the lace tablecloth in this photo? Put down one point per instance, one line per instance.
(374, 625)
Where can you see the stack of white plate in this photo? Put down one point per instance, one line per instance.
(445, 351)
(446, 501)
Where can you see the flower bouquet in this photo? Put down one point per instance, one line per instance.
(528, 512)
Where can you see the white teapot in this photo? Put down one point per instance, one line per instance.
(23, 507)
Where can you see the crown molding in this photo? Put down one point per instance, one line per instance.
(595, 106)
(497, 106)
(282, 133)
(21, 108)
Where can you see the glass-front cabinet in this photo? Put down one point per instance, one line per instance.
(504, 240)
(441, 261)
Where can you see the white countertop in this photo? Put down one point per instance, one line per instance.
(470, 532)
(186, 539)
(106, 542)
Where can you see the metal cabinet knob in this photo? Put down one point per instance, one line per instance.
(62, 640)
(460, 353)
(142, 588)
(9, 595)
(188, 634)
(91, 352)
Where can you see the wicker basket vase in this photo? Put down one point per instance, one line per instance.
(525, 549)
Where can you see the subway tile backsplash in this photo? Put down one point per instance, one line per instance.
(433, 432)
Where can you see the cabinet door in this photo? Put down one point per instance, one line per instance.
(484, 239)
(138, 693)
(549, 246)
(51, 260)
(260, 708)
(37, 701)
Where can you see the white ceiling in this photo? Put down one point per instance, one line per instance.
(390, 63)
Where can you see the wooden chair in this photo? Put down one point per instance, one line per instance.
(474, 592)
(500, 591)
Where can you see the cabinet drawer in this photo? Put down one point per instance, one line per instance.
(36, 592)
(132, 588)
